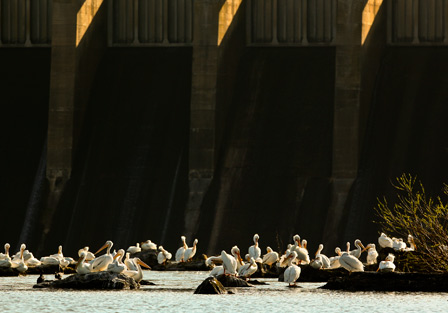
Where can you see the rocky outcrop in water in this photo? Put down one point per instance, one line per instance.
(232, 281)
(98, 280)
(210, 286)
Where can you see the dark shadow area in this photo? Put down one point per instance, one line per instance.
(24, 86)
(132, 155)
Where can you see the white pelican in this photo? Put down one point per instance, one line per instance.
(229, 263)
(49, 260)
(351, 263)
(301, 251)
(117, 266)
(138, 274)
(5, 255)
(316, 263)
(254, 250)
(6, 261)
(235, 251)
(248, 269)
(359, 248)
(398, 244)
(216, 270)
(148, 245)
(190, 252)
(100, 263)
(372, 254)
(58, 255)
(180, 252)
(384, 241)
(134, 249)
(324, 259)
(19, 264)
(89, 255)
(32, 261)
(163, 256)
(270, 257)
(83, 267)
(130, 264)
(334, 260)
(387, 265)
(292, 273)
(412, 246)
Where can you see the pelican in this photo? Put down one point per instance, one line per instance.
(301, 251)
(372, 254)
(32, 261)
(216, 270)
(19, 264)
(83, 267)
(180, 252)
(334, 260)
(130, 264)
(398, 244)
(89, 255)
(138, 274)
(387, 265)
(351, 263)
(359, 248)
(412, 246)
(190, 252)
(270, 257)
(58, 255)
(100, 263)
(134, 249)
(5, 255)
(148, 245)
(229, 263)
(292, 273)
(248, 269)
(117, 266)
(254, 250)
(324, 259)
(384, 241)
(283, 261)
(235, 251)
(163, 256)
(6, 261)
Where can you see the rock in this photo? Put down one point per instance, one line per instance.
(232, 281)
(256, 282)
(98, 280)
(144, 282)
(393, 281)
(195, 265)
(210, 286)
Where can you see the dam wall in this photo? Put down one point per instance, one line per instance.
(150, 119)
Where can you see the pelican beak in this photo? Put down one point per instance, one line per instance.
(365, 248)
(143, 264)
(116, 256)
(102, 248)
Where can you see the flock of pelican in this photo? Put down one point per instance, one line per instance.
(228, 264)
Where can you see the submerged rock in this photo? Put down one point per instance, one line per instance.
(392, 281)
(210, 286)
(98, 280)
(232, 281)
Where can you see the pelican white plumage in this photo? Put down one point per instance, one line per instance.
(334, 260)
(372, 254)
(82, 267)
(292, 273)
(148, 245)
(181, 251)
(385, 241)
(5, 255)
(190, 251)
(270, 257)
(235, 251)
(117, 266)
(89, 255)
(359, 248)
(301, 250)
(137, 274)
(130, 264)
(398, 244)
(19, 264)
(229, 263)
(254, 250)
(412, 246)
(100, 263)
(248, 269)
(134, 249)
(388, 264)
(216, 270)
(324, 259)
(163, 256)
(32, 261)
(351, 263)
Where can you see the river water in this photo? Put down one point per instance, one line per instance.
(173, 292)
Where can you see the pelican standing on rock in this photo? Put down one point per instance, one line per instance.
(254, 250)
(372, 254)
(83, 267)
(134, 249)
(180, 252)
(270, 257)
(292, 273)
(5, 255)
(163, 256)
(248, 269)
(190, 252)
(235, 251)
(148, 245)
(324, 259)
(334, 260)
(229, 263)
(301, 250)
(387, 265)
(137, 274)
(19, 264)
(351, 263)
(384, 241)
(100, 263)
(359, 248)
(89, 255)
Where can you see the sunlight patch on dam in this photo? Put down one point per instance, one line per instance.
(85, 17)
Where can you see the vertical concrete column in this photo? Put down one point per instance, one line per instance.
(202, 107)
(77, 32)
(346, 107)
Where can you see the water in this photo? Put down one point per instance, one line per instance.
(174, 293)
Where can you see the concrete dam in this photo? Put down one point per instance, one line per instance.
(216, 119)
